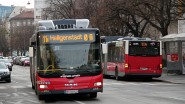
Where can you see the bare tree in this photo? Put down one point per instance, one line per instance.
(120, 17)
(59, 9)
(20, 39)
(3, 40)
(124, 12)
(159, 13)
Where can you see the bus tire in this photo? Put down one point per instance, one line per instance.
(41, 97)
(93, 95)
(32, 86)
(116, 74)
(36, 90)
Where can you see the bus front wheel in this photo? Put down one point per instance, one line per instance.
(93, 95)
(41, 97)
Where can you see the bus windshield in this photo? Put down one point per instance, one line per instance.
(80, 58)
(144, 48)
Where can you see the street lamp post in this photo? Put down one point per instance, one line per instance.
(28, 3)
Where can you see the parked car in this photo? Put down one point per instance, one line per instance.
(7, 62)
(26, 61)
(5, 72)
(10, 60)
(19, 60)
(1, 57)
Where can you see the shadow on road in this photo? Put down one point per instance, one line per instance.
(72, 98)
(136, 79)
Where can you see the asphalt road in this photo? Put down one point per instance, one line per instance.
(135, 91)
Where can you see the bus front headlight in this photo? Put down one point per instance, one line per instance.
(98, 84)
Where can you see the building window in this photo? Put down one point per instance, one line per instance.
(24, 23)
(18, 23)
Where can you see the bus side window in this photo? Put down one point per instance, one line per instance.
(62, 26)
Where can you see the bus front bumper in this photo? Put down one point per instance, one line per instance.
(71, 91)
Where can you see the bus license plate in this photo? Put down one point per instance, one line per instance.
(71, 91)
(144, 68)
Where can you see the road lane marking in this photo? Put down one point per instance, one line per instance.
(18, 86)
(2, 87)
(176, 98)
(106, 84)
(170, 97)
(149, 84)
(20, 93)
(79, 102)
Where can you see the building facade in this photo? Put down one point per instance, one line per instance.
(39, 5)
(21, 29)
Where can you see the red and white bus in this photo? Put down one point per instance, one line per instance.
(65, 58)
(135, 57)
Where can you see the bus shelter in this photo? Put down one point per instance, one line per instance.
(174, 49)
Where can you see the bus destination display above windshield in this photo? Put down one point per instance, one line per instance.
(67, 38)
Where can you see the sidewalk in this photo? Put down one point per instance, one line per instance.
(172, 78)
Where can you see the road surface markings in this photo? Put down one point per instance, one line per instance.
(105, 83)
(79, 102)
(2, 87)
(170, 97)
(150, 84)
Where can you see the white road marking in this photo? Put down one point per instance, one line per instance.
(106, 84)
(182, 99)
(79, 102)
(20, 93)
(2, 87)
(33, 93)
(129, 83)
(18, 87)
(170, 97)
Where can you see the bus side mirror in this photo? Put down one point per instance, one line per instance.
(30, 51)
(104, 48)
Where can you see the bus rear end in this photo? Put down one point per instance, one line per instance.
(143, 58)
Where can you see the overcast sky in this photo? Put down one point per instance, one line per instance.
(18, 3)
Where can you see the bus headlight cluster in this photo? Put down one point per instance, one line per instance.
(43, 86)
(98, 84)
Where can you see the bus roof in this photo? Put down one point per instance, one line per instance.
(63, 24)
(119, 38)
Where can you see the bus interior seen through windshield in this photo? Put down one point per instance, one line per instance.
(80, 58)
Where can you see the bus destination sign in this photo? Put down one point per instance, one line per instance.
(67, 38)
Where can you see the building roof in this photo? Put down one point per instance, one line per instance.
(24, 15)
